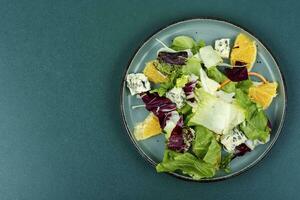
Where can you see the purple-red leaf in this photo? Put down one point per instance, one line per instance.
(177, 58)
(240, 63)
(181, 137)
(189, 90)
(237, 74)
(160, 106)
(241, 150)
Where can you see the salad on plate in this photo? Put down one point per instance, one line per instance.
(207, 102)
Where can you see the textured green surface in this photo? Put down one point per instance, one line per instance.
(61, 64)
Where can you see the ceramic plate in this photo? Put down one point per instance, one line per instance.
(207, 29)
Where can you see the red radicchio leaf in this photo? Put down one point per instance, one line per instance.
(160, 106)
(241, 150)
(177, 58)
(237, 73)
(189, 90)
(181, 137)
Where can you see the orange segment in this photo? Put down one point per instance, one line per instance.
(153, 74)
(244, 50)
(263, 94)
(148, 128)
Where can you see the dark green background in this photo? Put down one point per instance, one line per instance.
(61, 64)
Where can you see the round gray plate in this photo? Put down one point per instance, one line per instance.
(209, 30)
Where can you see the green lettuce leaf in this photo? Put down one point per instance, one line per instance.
(200, 44)
(218, 76)
(216, 114)
(255, 126)
(187, 164)
(225, 163)
(185, 110)
(244, 85)
(183, 42)
(206, 147)
(203, 138)
(192, 66)
(213, 155)
(215, 74)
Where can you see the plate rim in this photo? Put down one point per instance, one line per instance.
(181, 176)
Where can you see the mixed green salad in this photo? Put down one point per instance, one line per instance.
(203, 100)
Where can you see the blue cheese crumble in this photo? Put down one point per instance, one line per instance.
(137, 83)
(222, 46)
(177, 96)
(233, 139)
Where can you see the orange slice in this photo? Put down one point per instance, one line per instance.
(244, 50)
(263, 94)
(153, 74)
(148, 128)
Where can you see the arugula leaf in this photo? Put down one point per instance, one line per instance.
(187, 164)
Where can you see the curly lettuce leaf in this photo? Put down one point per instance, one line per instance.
(181, 81)
(172, 72)
(187, 164)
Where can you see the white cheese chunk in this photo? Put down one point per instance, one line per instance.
(222, 46)
(233, 139)
(177, 96)
(137, 83)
